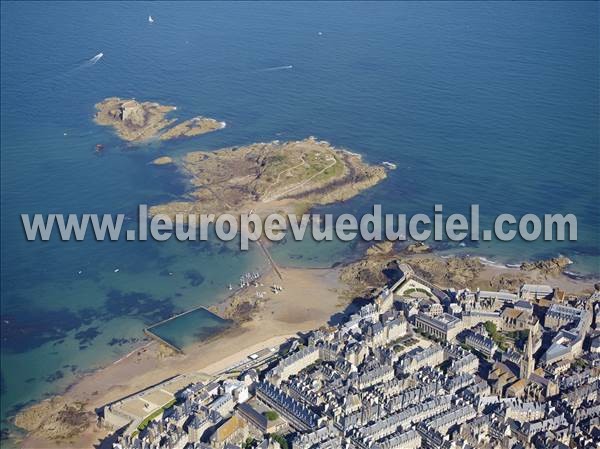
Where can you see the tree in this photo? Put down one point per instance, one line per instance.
(490, 328)
(248, 443)
(271, 415)
(281, 440)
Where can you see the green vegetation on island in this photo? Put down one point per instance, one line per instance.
(271, 177)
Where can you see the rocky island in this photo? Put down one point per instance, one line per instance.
(138, 121)
(271, 177)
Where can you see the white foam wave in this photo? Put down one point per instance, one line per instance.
(489, 262)
(513, 265)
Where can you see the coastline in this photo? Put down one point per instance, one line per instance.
(310, 298)
(517, 133)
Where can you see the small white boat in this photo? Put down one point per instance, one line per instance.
(150, 19)
(116, 270)
(389, 165)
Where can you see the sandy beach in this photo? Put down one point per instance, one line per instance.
(308, 300)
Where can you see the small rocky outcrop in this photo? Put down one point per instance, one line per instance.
(136, 121)
(380, 249)
(548, 267)
(163, 160)
(460, 272)
(55, 419)
(417, 248)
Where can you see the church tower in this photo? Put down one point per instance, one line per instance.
(527, 362)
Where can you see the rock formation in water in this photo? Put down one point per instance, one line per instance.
(138, 121)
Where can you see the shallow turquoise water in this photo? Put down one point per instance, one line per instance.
(493, 103)
(186, 329)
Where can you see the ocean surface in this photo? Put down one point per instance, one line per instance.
(494, 103)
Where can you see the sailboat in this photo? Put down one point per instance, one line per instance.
(150, 19)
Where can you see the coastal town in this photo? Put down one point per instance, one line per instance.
(300, 225)
(416, 366)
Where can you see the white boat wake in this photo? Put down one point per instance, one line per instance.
(95, 59)
(87, 63)
(281, 67)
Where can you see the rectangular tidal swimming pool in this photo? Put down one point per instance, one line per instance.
(191, 327)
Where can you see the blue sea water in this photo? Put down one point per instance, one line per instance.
(494, 103)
